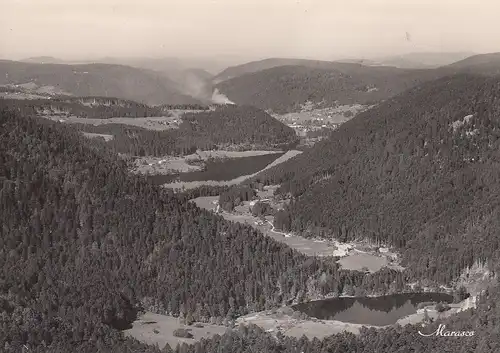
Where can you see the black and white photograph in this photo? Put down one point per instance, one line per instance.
(249, 176)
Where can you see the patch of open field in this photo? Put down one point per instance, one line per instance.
(336, 115)
(287, 322)
(310, 247)
(353, 256)
(360, 261)
(158, 329)
(204, 155)
(20, 95)
(193, 184)
(151, 123)
(175, 165)
(433, 314)
(106, 137)
(164, 165)
(289, 325)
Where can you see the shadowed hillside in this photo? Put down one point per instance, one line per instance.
(85, 246)
(97, 80)
(284, 85)
(420, 171)
(285, 89)
(487, 64)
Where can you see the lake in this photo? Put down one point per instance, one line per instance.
(376, 311)
(221, 169)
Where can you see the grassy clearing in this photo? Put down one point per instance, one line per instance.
(336, 115)
(193, 184)
(310, 247)
(433, 314)
(164, 165)
(173, 165)
(354, 256)
(289, 324)
(106, 137)
(158, 329)
(20, 95)
(275, 321)
(359, 261)
(204, 155)
(151, 123)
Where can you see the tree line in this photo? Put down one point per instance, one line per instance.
(420, 172)
(85, 246)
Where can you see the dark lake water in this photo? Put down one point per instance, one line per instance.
(377, 311)
(221, 169)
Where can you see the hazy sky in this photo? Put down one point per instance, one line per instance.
(255, 28)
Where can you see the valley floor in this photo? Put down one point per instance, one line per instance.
(275, 321)
(354, 256)
(193, 184)
(152, 123)
(184, 164)
(306, 246)
(158, 329)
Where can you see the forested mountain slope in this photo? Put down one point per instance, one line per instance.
(370, 73)
(97, 80)
(85, 107)
(286, 88)
(225, 127)
(236, 124)
(83, 244)
(488, 64)
(423, 60)
(265, 64)
(420, 172)
(215, 127)
(283, 85)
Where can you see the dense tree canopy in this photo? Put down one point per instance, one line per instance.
(94, 107)
(84, 245)
(419, 172)
(229, 127)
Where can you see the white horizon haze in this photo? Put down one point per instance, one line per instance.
(319, 29)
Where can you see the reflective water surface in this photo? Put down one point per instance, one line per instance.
(377, 311)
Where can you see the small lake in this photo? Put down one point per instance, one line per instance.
(221, 169)
(376, 311)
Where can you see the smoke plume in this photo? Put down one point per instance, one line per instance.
(219, 98)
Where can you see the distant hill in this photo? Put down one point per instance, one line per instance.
(255, 66)
(203, 74)
(285, 89)
(288, 88)
(419, 172)
(195, 82)
(247, 125)
(284, 85)
(43, 60)
(488, 64)
(421, 60)
(85, 107)
(105, 80)
(350, 67)
(192, 77)
(170, 65)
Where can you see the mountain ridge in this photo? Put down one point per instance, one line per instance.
(97, 79)
(285, 88)
(392, 173)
